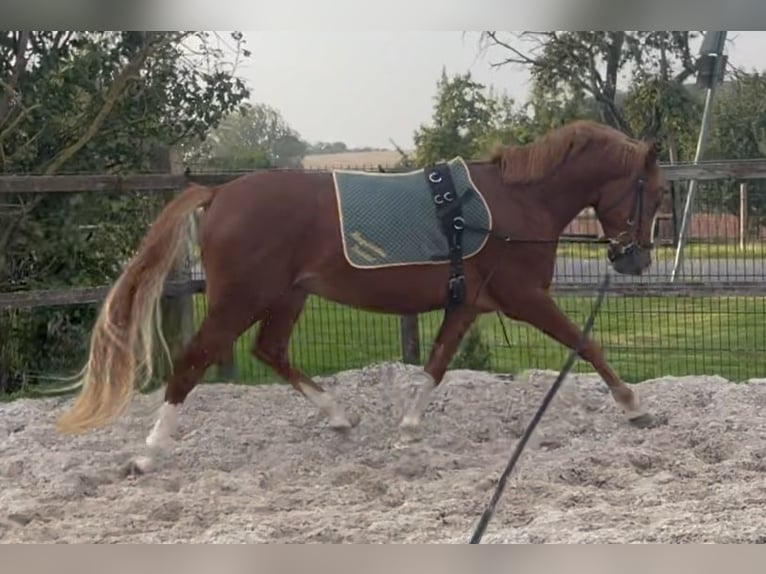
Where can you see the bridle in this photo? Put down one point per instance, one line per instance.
(629, 239)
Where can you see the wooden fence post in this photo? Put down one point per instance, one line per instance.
(177, 312)
(227, 367)
(410, 339)
(742, 215)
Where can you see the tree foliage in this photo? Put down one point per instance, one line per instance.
(469, 119)
(591, 63)
(85, 102)
(253, 137)
(543, 111)
(739, 126)
(639, 82)
(466, 117)
(321, 148)
(667, 111)
(738, 130)
(177, 85)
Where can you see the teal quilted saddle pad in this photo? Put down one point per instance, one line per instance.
(389, 219)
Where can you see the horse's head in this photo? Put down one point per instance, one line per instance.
(586, 163)
(626, 207)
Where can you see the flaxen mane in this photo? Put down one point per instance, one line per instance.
(539, 159)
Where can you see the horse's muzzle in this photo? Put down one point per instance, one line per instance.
(629, 260)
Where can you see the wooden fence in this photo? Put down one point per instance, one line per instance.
(178, 292)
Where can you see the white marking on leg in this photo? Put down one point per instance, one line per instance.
(160, 439)
(412, 417)
(143, 464)
(167, 424)
(327, 406)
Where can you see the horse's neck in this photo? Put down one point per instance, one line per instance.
(562, 199)
(566, 201)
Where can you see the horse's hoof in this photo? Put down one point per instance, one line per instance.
(410, 430)
(404, 441)
(354, 419)
(340, 428)
(409, 437)
(644, 421)
(136, 467)
(340, 425)
(344, 423)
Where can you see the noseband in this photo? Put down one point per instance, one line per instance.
(628, 240)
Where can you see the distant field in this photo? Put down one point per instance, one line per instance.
(353, 160)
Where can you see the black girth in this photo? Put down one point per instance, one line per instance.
(449, 211)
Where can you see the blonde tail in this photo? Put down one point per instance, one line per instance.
(122, 339)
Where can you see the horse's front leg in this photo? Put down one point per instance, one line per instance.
(451, 332)
(538, 309)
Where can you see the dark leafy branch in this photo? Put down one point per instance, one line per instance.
(83, 102)
(113, 94)
(592, 62)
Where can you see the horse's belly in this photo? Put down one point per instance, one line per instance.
(399, 291)
(382, 298)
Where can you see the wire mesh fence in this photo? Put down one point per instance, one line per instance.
(644, 337)
(712, 322)
(704, 326)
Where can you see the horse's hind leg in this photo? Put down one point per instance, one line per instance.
(226, 321)
(272, 345)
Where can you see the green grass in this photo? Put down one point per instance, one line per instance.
(691, 251)
(643, 337)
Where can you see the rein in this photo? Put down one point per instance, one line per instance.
(634, 221)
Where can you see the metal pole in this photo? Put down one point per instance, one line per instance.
(701, 141)
(742, 214)
(716, 40)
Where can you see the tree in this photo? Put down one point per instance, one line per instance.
(109, 95)
(255, 136)
(667, 111)
(321, 148)
(739, 124)
(91, 101)
(541, 113)
(590, 63)
(465, 119)
(738, 131)
(469, 119)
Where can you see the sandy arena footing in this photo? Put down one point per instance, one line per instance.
(256, 464)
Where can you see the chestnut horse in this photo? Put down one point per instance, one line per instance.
(271, 238)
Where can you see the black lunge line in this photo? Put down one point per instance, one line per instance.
(487, 515)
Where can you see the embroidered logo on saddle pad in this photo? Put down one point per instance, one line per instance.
(389, 219)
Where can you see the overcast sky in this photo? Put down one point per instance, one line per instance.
(365, 87)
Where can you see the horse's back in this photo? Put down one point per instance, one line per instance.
(274, 187)
(284, 212)
(269, 198)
